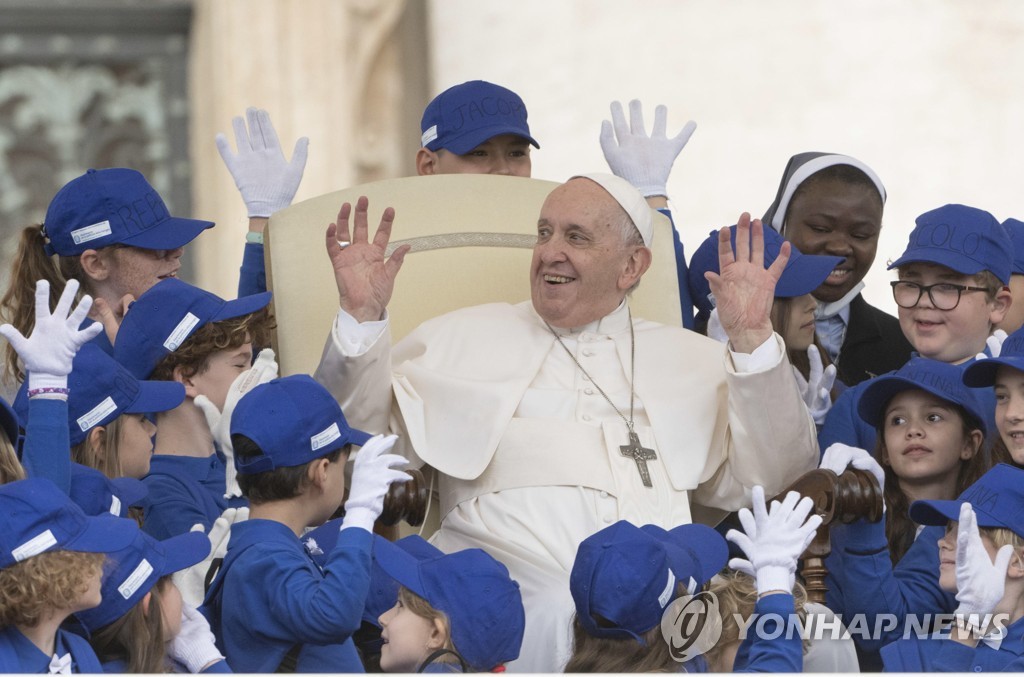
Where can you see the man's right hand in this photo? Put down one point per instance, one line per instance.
(364, 277)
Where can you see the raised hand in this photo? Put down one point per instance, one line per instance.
(48, 353)
(364, 277)
(644, 161)
(744, 289)
(980, 580)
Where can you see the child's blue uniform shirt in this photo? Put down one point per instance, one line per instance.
(119, 667)
(784, 653)
(274, 596)
(19, 654)
(183, 491)
(45, 453)
(935, 654)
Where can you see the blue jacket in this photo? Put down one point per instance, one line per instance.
(270, 596)
(183, 491)
(778, 647)
(941, 654)
(19, 654)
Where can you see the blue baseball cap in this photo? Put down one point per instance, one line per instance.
(962, 238)
(997, 498)
(101, 390)
(625, 576)
(137, 568)
(97, 494)
(163, 318)
(294, 420)
(982, 373)
(1015, 229)
(942, 380)
(39, 517)
(483, 603)
(803, 272)
(462, 117)
(113, 206)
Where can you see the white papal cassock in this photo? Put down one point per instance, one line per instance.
(528, 448)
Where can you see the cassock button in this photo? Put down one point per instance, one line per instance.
(608, 519)
(589, 391)
(588, 352)
(604, 494)
(586, 417)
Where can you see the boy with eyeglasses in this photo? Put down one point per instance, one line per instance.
(952, 290)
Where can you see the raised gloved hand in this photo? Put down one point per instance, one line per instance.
(194, 648)
(775, 538)
(815, 390)
(838, 457)
(50, 349)
(979, 580)
(372, 473)
(265, 179)
(264, 369)
(192, 581)
(644, 161)
(994, 343)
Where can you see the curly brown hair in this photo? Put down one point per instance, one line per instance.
(54, 579)
(193, 356)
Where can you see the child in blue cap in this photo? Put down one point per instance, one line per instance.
(982, 561)
(142, 626)
(108, 229)
(792, 312)
(1014, 318)
(930, 433)
(1005, 375)
(271, 605)
(51, 564)
(178, 332)
(951, 294)
(456, 612)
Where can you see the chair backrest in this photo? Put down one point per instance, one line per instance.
(472, 238)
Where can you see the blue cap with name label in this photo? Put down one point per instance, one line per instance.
(981, 373)
(113, 206)
(997, 499)
(462, 117)
(961, 238)
(1015, 229)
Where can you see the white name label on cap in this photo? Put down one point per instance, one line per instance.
(136, 579)
(326, 437)
(93, 232)
(666, 594)
(96, 414)
(428, 135)
(115, 506)
(34, 546)
(181, 332)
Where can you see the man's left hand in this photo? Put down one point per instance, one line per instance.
(744, 289)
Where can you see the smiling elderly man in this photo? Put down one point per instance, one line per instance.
(550, 419)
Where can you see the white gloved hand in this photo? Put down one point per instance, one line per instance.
(743, 566)
(264, 369)
(372, 473)
(265, 179)
(644, 161)
(775, 538)
(192, 581)
(194, 648)
(979, 580)
(48, 353)
(715, 329)
(838, 457)
(814, 390)
(994, 343)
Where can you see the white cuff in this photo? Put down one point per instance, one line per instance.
(355, 338)
(764, 357)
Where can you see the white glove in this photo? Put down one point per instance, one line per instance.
(644, 161)
(994, 343)
(715, 329)
(979, 579)
(815, 389)
(744, 566)
(265, 179)
(264, 369)
(775, 538)
(372, 473)
(192, 581)
(838, 457)
(194, 647)
(50, 350)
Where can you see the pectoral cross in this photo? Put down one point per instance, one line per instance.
(641, 455)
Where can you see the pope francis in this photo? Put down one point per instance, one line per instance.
(551, 419)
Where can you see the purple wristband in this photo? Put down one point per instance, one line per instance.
(48, 391)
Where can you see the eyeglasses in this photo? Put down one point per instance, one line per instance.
(943, 295)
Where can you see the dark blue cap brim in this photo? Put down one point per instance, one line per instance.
(982, 373)
(170, 234)
(184, 550)
(242, 306)
(875, 398)
(804, 274)
(129, 491)
(943, 257)
(105, 534)
(400, 565)
(939, 513)
(460, 145)
(156, 396)
(705, 545)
